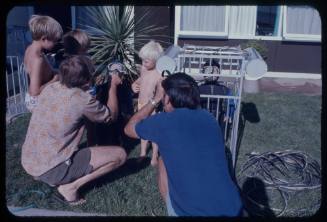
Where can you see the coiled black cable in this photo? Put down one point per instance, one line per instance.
(284, 171)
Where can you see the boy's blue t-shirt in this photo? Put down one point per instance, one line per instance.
(192, 148)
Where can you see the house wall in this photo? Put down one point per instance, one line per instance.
(18, 16)
(62, 13)
(159, 16)
(16, 33)
(282, 56)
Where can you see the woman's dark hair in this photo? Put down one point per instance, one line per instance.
(75, 71)
(182, 90)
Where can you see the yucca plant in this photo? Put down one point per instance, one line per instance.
(115, 34)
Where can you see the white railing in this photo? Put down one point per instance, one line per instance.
(16, 87)
(232, 71)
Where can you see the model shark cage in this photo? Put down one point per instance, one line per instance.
(223, 104)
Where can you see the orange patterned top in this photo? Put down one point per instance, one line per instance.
(57, 125)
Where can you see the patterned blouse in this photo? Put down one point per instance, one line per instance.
(57, 125)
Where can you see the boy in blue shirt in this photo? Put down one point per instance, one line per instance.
(193, 175)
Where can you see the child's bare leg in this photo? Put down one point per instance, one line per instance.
(144, 144)
(154, 159)
(162, 179)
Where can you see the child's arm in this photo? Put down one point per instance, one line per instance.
(35, 77)
(136, 85)
(138, 67)
(54, 79)
(37, 68)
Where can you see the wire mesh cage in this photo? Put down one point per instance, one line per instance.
(220, 73)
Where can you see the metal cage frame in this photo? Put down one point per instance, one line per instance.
(232, 62)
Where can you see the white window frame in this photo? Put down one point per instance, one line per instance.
(297, 37)
(201, 34)
(73, 14)
(278, 37)
(281, 32)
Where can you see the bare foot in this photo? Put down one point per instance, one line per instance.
(70, 194)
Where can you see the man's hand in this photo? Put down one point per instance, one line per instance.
(115, 80)
(136, 87)
(100, 79)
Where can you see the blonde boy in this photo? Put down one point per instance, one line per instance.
(45, 31)
(145, 85)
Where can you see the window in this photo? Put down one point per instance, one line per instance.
(255, 22)
(242, 21)
(301, 23)
(202, 21)
(267, 21)
(203, 18)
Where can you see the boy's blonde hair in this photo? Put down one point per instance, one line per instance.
(42, 25)
(81, 37)
(152, 50)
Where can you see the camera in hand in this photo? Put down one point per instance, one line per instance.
(118, 68)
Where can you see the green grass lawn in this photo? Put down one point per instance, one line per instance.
(286, 121)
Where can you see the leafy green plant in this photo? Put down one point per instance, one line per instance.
(258, 45)
(115, 34)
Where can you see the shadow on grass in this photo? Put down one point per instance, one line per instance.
(131, 166)
(255, 198)
(248, 113)
(113, 135)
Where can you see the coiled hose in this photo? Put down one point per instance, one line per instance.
(286, 171)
